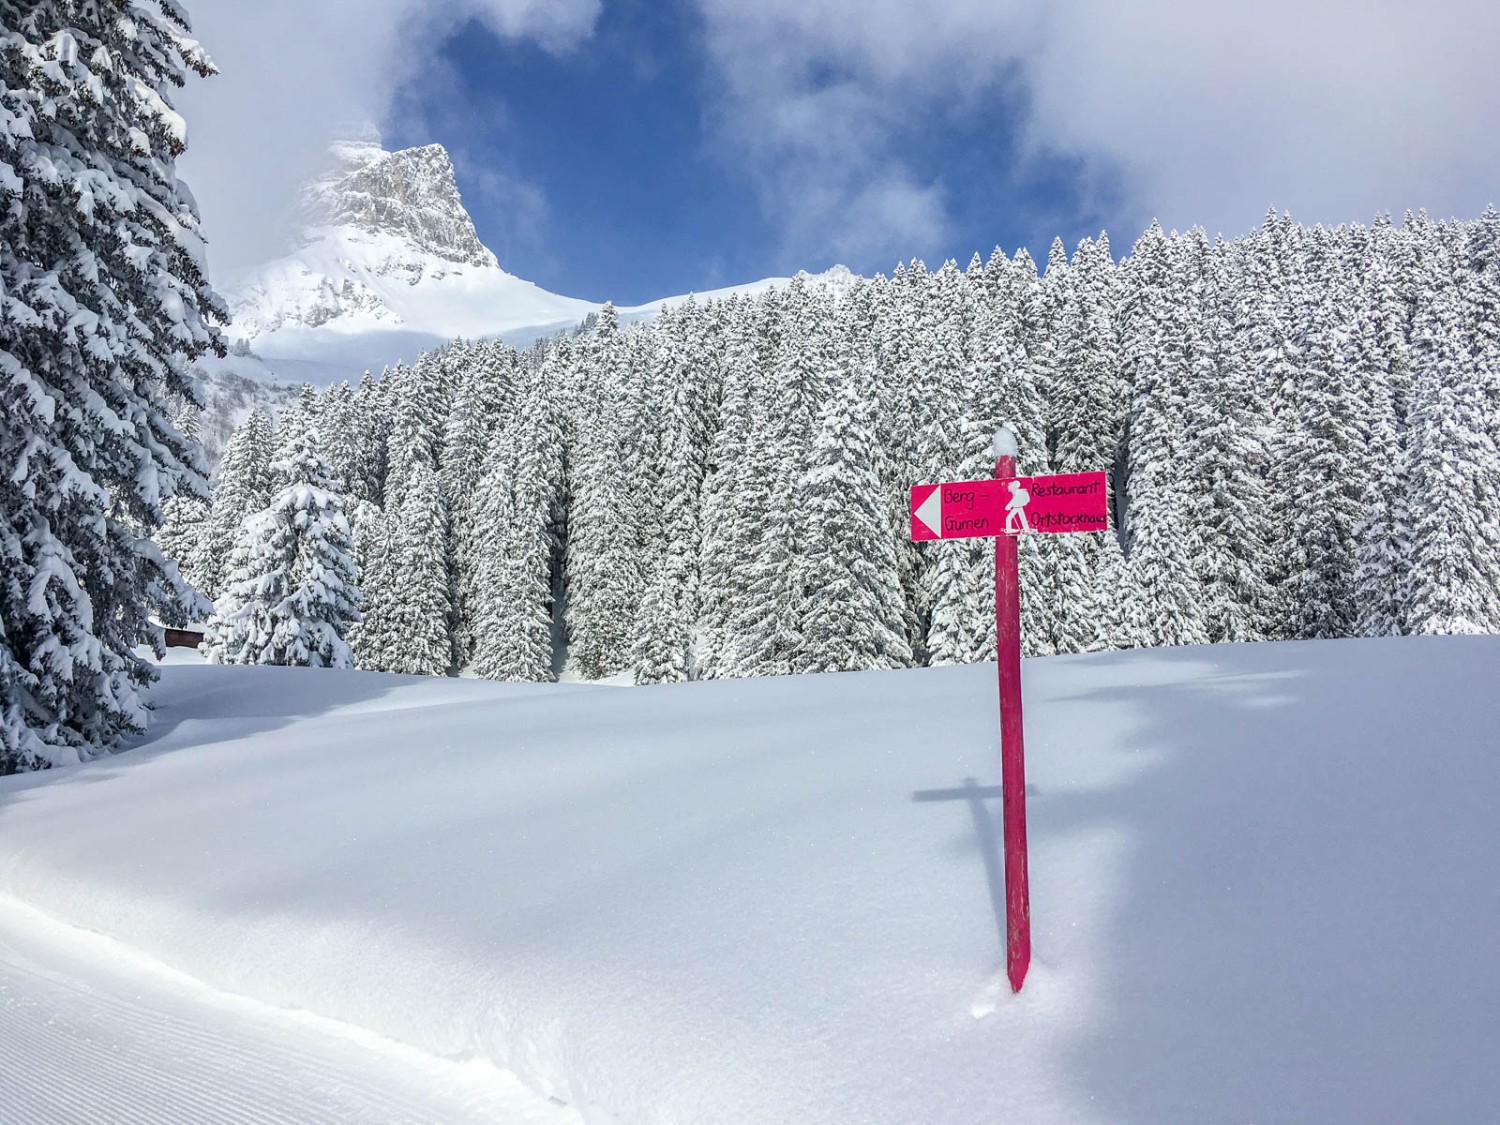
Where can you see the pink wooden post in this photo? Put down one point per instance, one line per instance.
(1012, 753)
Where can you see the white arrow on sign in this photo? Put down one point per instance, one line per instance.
(930, 511)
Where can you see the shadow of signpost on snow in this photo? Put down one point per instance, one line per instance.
(975, 795)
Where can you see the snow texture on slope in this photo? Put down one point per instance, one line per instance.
(138, 1042)
(1262, 881)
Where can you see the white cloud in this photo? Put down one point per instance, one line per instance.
(1334, 110)
(295, 73)
(1207, 113)
(814, 90)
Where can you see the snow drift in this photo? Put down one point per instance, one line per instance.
(1262, 881)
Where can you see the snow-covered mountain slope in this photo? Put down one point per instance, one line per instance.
(1262, 883)
(388, 265)
(387, 253)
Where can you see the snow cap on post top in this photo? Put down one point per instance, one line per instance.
(1004, 444)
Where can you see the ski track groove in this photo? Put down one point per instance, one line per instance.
(97, 1034)
(209, 1046)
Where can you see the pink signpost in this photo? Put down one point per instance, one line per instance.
(1006, 507)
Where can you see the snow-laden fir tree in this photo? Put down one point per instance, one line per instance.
(851, 618)
(730, 493)
(481, 407)
(689, 382)
(185, 515)
(372, 427)
(340, 431)
(1106, 601)
(859, 316)
(779, 575)
(1225, 459)
(1453, 584)
(292, 590)
(419, 641)
(103, 302)
(303, 415)
(659, 654)
(603, 558)
(1161, 595)
(180, 537)
(1088, 406)
(1274, 290)
(369, 637)
(419, 408)
(1327, 446)
(948, 443)
(1382, 536)
(513, 600)
(243, 485)
(1017, 397)
(1160, 600)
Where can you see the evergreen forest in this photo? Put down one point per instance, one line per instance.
(1301, 429)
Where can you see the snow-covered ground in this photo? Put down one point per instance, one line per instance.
(1262, 878)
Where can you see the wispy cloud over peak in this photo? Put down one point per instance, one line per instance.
(293, 75)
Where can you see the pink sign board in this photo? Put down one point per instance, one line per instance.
(1056, 504)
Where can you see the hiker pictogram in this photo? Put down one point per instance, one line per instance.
(1015, 509)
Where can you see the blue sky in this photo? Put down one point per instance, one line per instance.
(611, 136)
(642, 197)
(630, 150)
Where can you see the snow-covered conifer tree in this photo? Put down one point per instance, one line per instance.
(1161, 599)
(341, 432)
(1382, 537)
(768, 624)
(692, 384)
(419, 407)
(952, 365)
(1225, 461)
(369, 637)
(1327, 447)
(419, 640)
(1087, 412)
(851, 618)
(184, 520)
(303, 415)
(481, 405)
(243, 486)
(513, 602)
(292, 590)
(731, 494)
(659, 655)
(103, 301)
(372, 429)
(1453, 584)
(603, 549)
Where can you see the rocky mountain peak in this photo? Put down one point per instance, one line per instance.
(410, 194)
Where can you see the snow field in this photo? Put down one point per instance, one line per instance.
(1261, 875)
